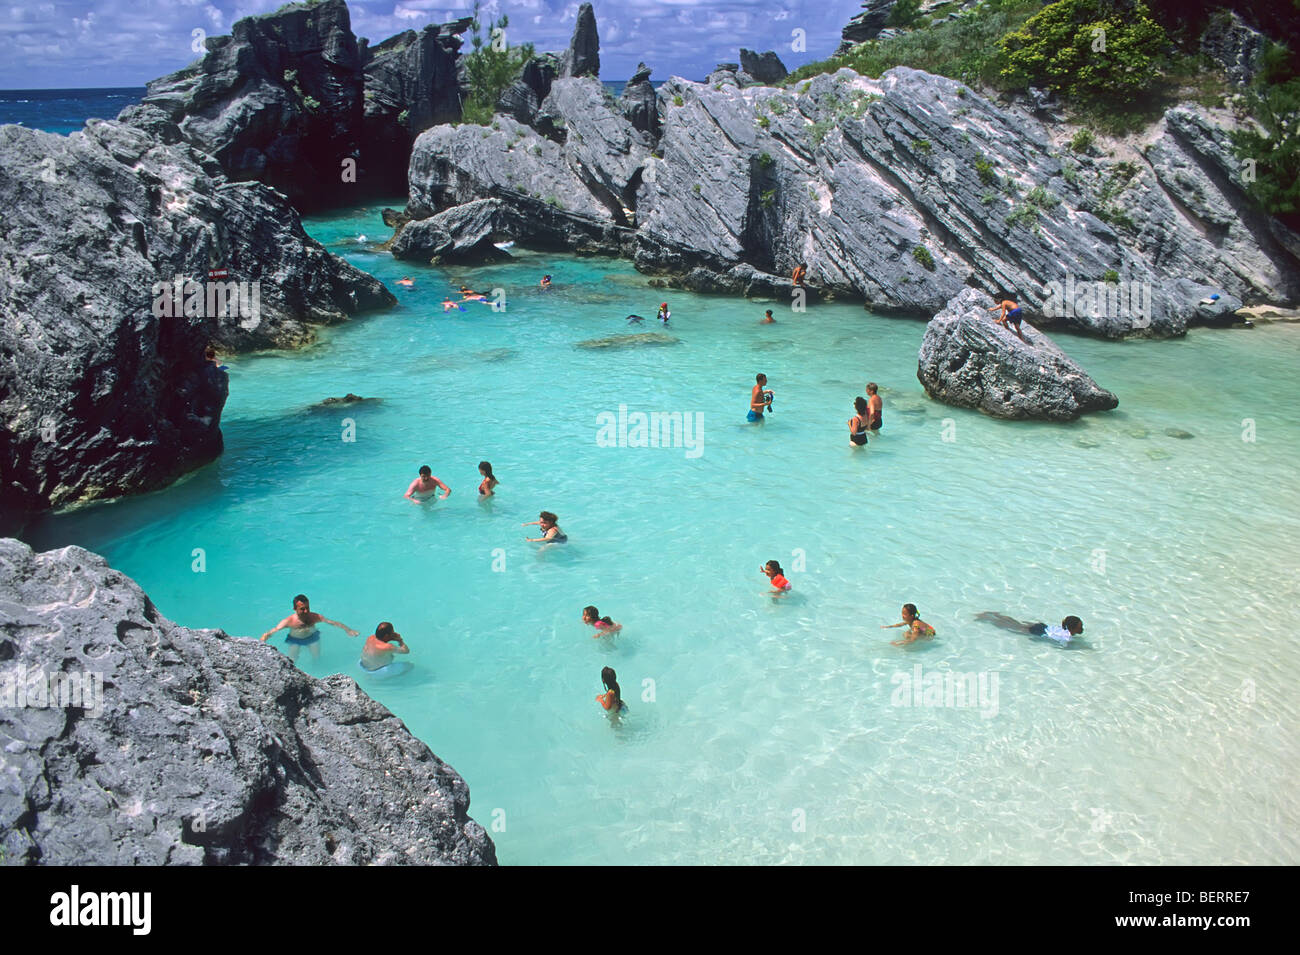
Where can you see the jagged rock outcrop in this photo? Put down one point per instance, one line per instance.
(969, 361)
(899, 191)
(639, 103)
(279, 101)
(524, 96)
(411, 83)
(291, 95)
(766, 68)
(102, 391)
(169, 746)
(1234, 45)
(463, 233)
(582, 58)
(867, 24)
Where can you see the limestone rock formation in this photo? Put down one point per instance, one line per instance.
(967, 360)
(144, 743)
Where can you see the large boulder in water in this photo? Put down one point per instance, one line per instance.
(462, 234)
(969, 361)
(103, 385)
(146, 743)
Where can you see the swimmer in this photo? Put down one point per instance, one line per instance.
(381, 646)
(425, 487)
(469, 295)
(858, 423)
(408, 282)
(605, 627)
(1010, 312)
(545, 283)
(664, 314)
(448, 305)
(917, 629)
(551, 533)
(612, 698)
(760, 400)
(767, 318)
(635, 319)
(874, 404)
(210, 356)
(489, 481)
(1070, 627)
(780, 585)
(797, 276)
(302, 629)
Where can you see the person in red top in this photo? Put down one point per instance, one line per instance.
(777, 576)
(381, 646)
(605, 626)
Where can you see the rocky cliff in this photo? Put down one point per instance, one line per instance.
(899, 191)
(289, 96)
(108, 241)
(127, 740)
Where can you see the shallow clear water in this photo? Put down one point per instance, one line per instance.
(775, 733)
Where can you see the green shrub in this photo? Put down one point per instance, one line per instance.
(678, 101)
(1110, 276)
(904, 13)
(777, 107)
(1274, 102)
(764, 122)
(1041, 198)
(818, 131)
(311, 102)
(489, 71)
(989, 197)
(696, 188)
(984, 169)
(923, 145)
(1026, 215)
(1082, 140)
(1056, 50)
(922, 255)
(1070, 174)
(767, 197)
(403, 116)
(766, 161)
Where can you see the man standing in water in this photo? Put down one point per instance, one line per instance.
(759, 399)
(381, 647)
(425, 487)
(874, 404)
(302, 629)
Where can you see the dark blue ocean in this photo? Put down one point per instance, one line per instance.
(65, 111)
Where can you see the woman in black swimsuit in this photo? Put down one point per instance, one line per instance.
(551, 533)
(858, 423)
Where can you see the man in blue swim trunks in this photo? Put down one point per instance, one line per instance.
(302, 629)
(760, 399)
(1010, 315)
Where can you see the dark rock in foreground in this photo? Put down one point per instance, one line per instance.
(968, 361)
(192, 747)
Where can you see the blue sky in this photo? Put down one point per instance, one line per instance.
(73, 43)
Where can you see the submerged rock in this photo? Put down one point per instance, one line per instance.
(1179, 433)
(348, 399)
(190, 747)
(969, 361)
(629, 341)
(103, 385)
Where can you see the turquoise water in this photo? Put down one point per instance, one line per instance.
(774, 733)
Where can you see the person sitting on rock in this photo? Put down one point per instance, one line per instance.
(797, 276)
(1010, 315)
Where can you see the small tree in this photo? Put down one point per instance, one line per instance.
(491, 66)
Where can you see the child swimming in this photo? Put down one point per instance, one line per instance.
(917, 629)
(780, 586)
(1070, 627)
(605, 627)
(612, 698)
(551, 533)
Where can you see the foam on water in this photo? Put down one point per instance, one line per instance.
(777, 731)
